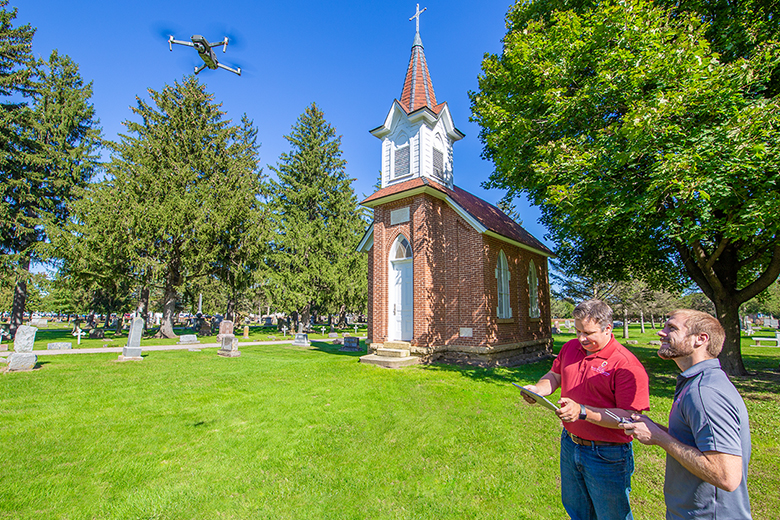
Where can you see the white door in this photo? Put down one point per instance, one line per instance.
(401, 302)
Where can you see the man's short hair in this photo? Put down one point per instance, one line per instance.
(698, 322)
(595, 310)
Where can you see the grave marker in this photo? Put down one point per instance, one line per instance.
(351, 344)
(225, 328)
(229, 346)
(301, 339)
(22, 357)
(132, 352)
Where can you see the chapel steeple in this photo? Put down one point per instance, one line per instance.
(418, 88)
(418, 133)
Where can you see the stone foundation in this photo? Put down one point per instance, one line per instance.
(508, 355)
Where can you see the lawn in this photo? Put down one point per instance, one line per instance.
(294, 432)
(61, 332)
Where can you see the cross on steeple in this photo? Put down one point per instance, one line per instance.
(417, 15)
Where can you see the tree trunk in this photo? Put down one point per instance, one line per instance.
(731, 355)
(169, 308)
(625, 323)
(305, 317)
(231, 309)
(642, 319)
(342, 317)
(20, 297)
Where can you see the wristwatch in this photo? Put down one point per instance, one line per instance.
(583, 413)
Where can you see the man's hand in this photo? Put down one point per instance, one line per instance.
(529, 399)
(569, 410)
(644, 430)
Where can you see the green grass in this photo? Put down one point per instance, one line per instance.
(59, 332)
(290, 432)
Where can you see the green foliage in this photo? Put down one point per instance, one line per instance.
(314, 213)
(180, 201)
(48, 150)
(648, 153)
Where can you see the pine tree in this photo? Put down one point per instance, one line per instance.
(48, 150)
(180, 184)
(314, 214)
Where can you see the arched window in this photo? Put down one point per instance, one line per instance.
(401, 249)
(502, 277)
(438, 158)
(533, 291)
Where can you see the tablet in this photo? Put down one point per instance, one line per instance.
(538, 398)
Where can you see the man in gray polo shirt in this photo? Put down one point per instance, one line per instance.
(707, 442)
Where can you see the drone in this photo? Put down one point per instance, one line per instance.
(205, 51)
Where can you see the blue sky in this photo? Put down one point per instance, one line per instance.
(349, 57)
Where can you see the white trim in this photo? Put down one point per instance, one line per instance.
(367, 242)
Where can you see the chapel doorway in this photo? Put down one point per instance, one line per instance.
(401, 308)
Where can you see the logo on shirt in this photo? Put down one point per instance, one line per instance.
(601, 370)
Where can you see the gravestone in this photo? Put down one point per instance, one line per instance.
(225, 328)
(268, 321)
(3, 334)
(22, 357)
(301, 339)
(188, 339)
(132, 352)
(351, 344)
(60, 345)
(97, 334)
(229, 346)
(246, 331)
(333, 335)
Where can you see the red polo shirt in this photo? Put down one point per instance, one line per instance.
(610, 378)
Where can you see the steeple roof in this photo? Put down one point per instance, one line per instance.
(418, 88)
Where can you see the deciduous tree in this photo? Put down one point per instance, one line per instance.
(649, 138)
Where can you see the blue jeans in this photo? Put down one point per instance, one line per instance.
(596, 480)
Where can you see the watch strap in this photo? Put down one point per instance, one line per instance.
(583, 413)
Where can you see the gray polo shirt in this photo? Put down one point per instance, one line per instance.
(709, 414)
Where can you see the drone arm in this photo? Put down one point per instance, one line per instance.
(171, 41)
(198, 69)
(224, 44)
(234, 71)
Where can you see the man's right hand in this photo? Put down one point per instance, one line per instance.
(643, 429)
(529, 399)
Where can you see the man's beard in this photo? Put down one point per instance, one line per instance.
(675, 349)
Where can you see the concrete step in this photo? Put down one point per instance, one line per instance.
(390, 362)
(392, 352)
(397, 344)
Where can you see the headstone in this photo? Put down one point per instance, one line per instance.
(225, 328)
(24, 339)
(205, 328)
(3, 334)
(301, 339)
(132, 352)
(555, 330)
(246, 331)
(60, 345)
(229, 346)
(188, 339)
(97, 334)
(22, 357)
(567, 324)
(351, 344)
(268, 321)
(333, 335)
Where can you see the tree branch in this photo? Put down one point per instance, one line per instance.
(769, 275)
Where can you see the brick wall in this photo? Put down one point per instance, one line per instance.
(454, 279)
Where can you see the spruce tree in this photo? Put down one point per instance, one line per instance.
(314, 214)
(180, 183)
(48, 150)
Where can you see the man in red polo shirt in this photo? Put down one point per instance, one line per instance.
(601, 381)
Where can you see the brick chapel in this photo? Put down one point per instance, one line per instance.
(451, 278)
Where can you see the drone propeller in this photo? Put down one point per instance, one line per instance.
(224, 47)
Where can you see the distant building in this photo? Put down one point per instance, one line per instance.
(449, 275)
